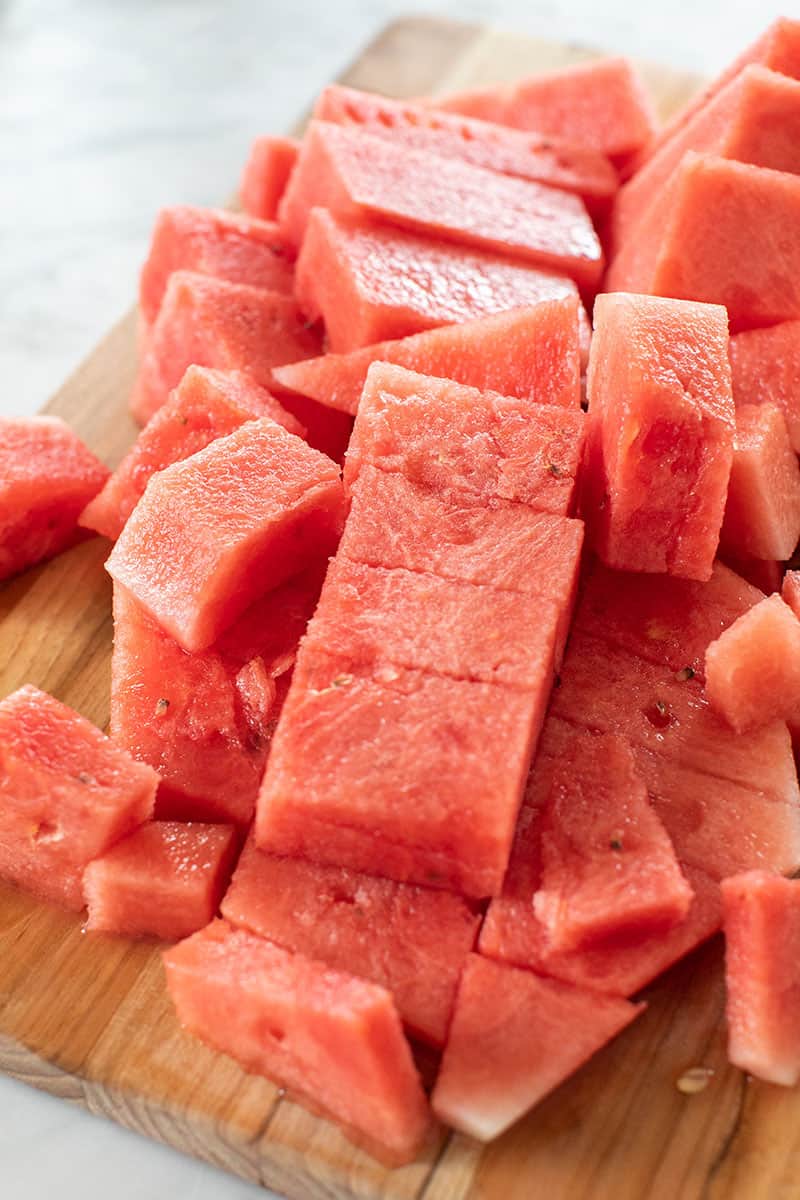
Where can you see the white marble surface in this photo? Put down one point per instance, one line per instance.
(108, 109)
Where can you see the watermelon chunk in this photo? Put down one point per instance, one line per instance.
(205, 405)
(370, 282)
(661, 430)
(753, 668)
(765, 369)
(791, 591)
(532, 353)
(216, 531)
(326, 429)
(762, 950)
(486, 445)
(599, 104)
(47, 476)
(411, 940)
(164, 880)
(515, 1037)
(334, 1041)
(722, 232)
(540, 157)
(265, 175)
(213, 242)
(608, 866)
(350, 171)
(212, 323)
(68, 795)
(205, 720)
(762, 515)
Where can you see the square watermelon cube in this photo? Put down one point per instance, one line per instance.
(762, 513)
(765, 369)
(753, 668)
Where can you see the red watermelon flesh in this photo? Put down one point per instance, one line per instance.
(47, 476)
(765, 368)
(543, 158)
(608, 865)
(600, 104)
(532, 353)
(212, 323)
(349, 171)
(515, 1037)
(330, 1039)
(213, 242)
(266, 173)
(164, 880)
(762, 515)
(202, 723)
(762, 952)
(370, 282)
(68, 794)
(326, 429)
(205, 405)
(764, 574)
(661, 433)
(411, 940)
(721, 232)
(457, 439)
(216, 531)
(790, 591)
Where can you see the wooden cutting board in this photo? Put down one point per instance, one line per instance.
(87, 1018)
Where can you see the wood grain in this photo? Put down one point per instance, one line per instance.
(85, 1017)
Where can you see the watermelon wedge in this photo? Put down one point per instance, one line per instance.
(265, 175)
(762, 513)
(765, 369)
(753, 668)
(332, 1040)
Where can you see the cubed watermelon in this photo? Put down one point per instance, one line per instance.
(265, 175)
(164, 880)
(790, 591)
(762, 953)
(515, 1037)
(350, 171)
(753, 668)
(661, 433)
(411, 940)
(68, 794)
(765, 369)
(216, 531)
(330, 1039)
(370, 282)
(762, 514)
(47, 476)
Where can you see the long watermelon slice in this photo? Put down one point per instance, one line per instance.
(765, 369)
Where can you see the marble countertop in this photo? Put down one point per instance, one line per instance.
(109, 109)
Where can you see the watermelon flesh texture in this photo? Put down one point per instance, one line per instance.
(325, 429)
(608, 865)
(532, 353)
(47, 476)
(330, 1039)
(601, 105)
(204, 721)
(213, 242)
(763, 573)
(661, 433)
(762, 514)
(485, 445)
(762, 944)
(216, 531)
(722, 232)
(371, 283)
(542, 158)
(265, 175)
(164, 880)
(515, 1036)
(790, 591)
(68, 794)
(765, 369)
(413, 941)
(205, 405)
(349, 171)
(210, 322)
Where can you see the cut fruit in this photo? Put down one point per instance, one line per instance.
(661, 433)
(762, 573)
(765, 368)
(206, 405)
(330, 1039)
(325, 429)
(218, 530)
(790, 591)
(266, 173)
(515, 1037)
(762, 515)
(762, 951)
(411, 940)
(68, 795)
(47, 476)
(351, 172)
(165, 880)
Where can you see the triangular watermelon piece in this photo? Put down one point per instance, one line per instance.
(753, 668)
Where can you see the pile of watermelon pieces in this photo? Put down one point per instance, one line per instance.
(456, 670)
